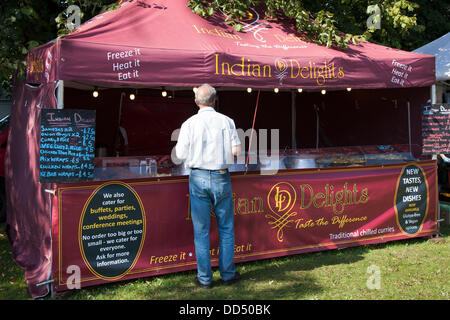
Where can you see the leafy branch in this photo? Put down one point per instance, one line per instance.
(319, 26)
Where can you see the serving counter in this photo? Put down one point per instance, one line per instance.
(132, 222)
(107, 168)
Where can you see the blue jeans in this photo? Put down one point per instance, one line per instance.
(208, 187)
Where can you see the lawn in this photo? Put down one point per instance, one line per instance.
(405, 269)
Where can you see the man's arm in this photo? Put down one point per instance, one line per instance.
(235, 142)
(236, 150)
(182, 147)
(444, 158)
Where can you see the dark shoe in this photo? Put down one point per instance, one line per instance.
(201, 285)
(236, 278)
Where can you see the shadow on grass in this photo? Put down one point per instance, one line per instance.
(286, 277)
(289, 277)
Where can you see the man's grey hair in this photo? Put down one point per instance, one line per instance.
(205, 95)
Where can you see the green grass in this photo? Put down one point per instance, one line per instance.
(12, 282)
(409, 269)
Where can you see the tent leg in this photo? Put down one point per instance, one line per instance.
(409, 125)
(60, 95)
(433, 94)
(316, 109)
(294, 119)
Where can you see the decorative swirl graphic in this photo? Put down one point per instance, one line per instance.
(250, 24)
(281, 71)
(281, 200)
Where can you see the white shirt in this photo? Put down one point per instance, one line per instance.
(206, 140)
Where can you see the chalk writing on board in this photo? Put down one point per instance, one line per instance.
(436, 129)
(67, 145)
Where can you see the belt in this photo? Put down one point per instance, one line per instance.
(218, 170)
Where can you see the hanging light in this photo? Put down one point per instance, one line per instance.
(349, 89)
(133, 95)
(249, 90)
(276, 90)
(323, 91)
(300, 90)
(95, 92)
(164, 92)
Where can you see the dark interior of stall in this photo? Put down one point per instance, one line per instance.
(338, 122)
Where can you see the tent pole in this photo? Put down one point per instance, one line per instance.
(316, 109)
(433, 94)
(294, 119)
(60, 95)
(251, 133)
(409, 124)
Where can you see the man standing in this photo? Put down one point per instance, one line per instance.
(207, 143)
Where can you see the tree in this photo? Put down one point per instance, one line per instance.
(405, 25)
(433, 21)
(329, 23)
(25, 24)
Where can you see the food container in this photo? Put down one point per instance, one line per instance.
(272, 165)
(300, 162)
(101, 152)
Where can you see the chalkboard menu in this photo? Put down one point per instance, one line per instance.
(436, 129)
(67, 145)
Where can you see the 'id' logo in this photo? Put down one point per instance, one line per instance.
(281, 200)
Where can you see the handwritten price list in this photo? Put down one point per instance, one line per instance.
(436, 129)
(67, 145)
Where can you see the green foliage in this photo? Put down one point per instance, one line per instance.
(331, 23)
(398, 18)
(433, 21)
(319, 27)
(88, 8)
(26, 24)
(23, 26)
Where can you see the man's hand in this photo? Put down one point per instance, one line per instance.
(444, 158)
(236, 150)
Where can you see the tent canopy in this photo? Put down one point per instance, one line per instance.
(143, 44)
(440, 48)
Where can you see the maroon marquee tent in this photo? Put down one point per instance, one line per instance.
(148, 44)
(155, 44)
